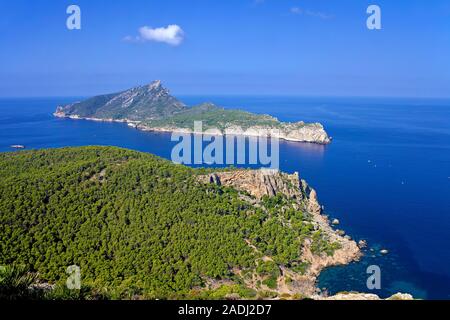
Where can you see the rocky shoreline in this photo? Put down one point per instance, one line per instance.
(312, 133)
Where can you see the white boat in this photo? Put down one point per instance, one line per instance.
(17, 146)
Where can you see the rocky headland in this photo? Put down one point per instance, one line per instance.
(268, 183)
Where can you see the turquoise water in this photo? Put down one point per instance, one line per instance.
(386, 176)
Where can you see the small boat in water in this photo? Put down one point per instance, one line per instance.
(17, 146)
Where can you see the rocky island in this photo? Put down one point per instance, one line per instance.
(152, 108)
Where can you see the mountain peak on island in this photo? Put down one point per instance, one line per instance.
(157, 89)
(148, 102)
(155, 85)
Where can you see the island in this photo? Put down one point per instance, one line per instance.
(152, 108)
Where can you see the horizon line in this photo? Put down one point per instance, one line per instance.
(244, 95)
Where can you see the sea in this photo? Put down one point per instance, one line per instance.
(385, 176)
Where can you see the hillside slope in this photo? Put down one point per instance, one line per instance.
(138, 225)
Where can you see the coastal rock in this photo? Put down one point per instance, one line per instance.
(362, 244)
(314, 206)
(351, 297)
(313, 203)
(401, 296)
(364, 296)
(336, 222)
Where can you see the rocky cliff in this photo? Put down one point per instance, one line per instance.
(260, 184)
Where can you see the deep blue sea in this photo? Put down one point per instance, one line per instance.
(386, 175)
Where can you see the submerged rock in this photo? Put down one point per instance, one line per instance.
(362, 244)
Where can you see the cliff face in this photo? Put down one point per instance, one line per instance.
(312, 133)
(299, 131)
(260, 183)
(295, 132)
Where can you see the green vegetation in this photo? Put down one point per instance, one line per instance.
(321, 245)
(226, 291)
(137, 225)
(15, 281)
(213, 117)
(270, 271)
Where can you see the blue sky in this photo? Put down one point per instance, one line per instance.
(316, 47)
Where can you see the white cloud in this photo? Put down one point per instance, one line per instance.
(296, 10)
(172, 34)
(317, 14)
(130, 39)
